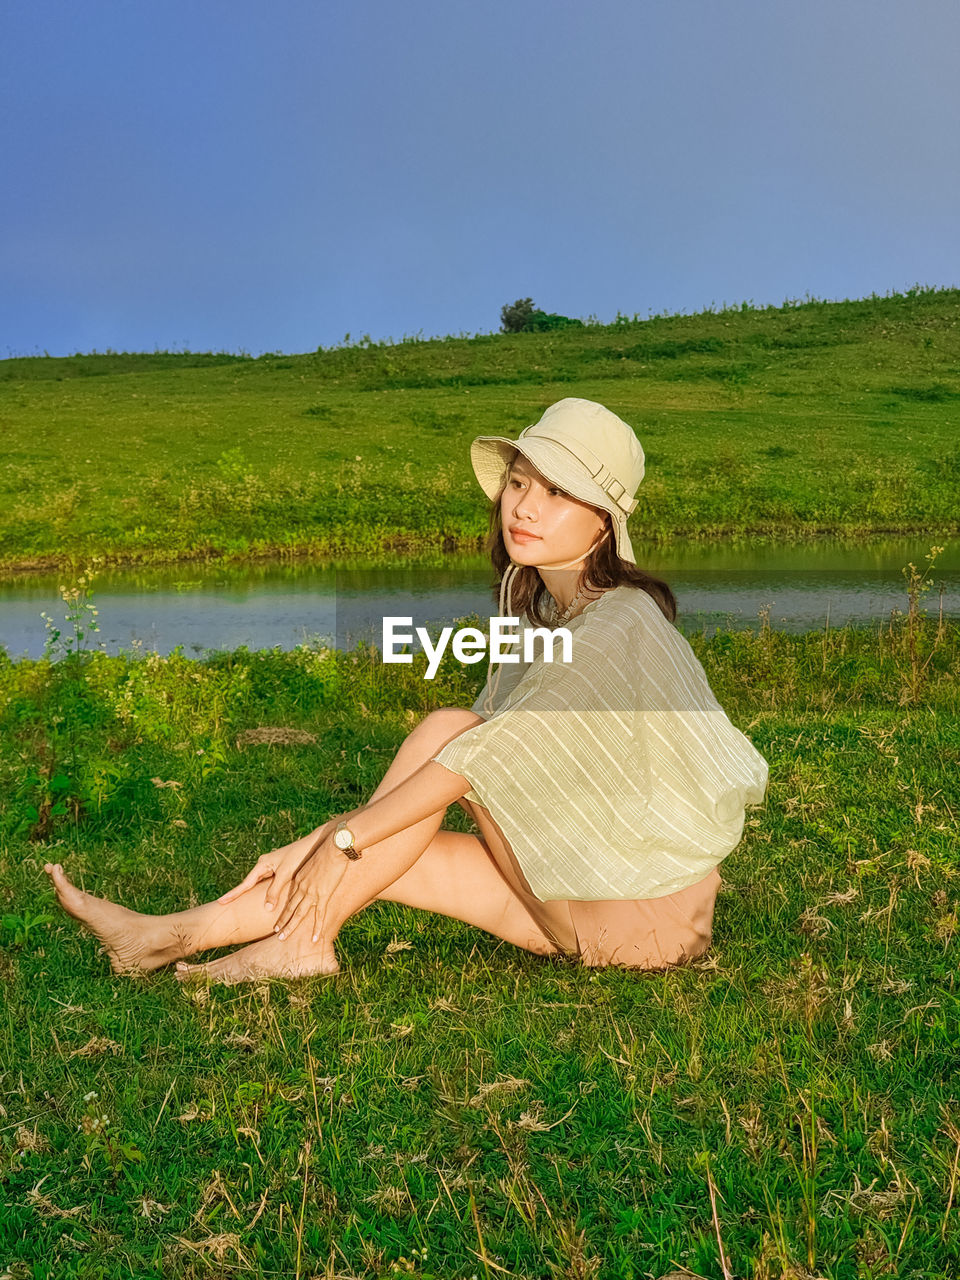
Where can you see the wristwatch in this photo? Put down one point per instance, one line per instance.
(343, 839)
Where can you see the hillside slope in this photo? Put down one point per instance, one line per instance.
(780, 422)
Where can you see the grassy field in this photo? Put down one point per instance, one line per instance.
(764, 423)
(451, 1106)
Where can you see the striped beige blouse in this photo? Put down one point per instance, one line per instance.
(616, 775)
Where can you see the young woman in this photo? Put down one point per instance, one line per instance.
(606, 790)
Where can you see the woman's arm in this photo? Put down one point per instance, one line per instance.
(430, 790)
(421, 795)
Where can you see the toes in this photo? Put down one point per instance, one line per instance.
(59, 877)
(61, 885)
(73, 900)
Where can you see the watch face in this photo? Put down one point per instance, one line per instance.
(342, 838)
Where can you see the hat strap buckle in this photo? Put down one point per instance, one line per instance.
(613, 488)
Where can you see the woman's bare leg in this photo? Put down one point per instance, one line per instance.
(422, 866)
(459, 879)
(137, 942)
(454, 876)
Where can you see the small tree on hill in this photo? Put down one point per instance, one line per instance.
(513, 318)
(524, 317)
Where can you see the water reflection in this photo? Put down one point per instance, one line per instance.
(268, 604)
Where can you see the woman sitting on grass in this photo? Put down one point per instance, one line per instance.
(606, 790)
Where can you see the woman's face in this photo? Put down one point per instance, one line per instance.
(542, 525)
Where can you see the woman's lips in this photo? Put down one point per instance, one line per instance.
(521, 535)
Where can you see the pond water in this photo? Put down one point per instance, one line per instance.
(268, 604)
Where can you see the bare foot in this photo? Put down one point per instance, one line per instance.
(293, 957)
(127, 936)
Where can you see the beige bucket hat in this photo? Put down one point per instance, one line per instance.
(582, 448)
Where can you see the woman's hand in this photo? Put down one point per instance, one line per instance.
(312, 888)
(281, 865)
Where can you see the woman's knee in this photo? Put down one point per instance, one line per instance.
(440, 726)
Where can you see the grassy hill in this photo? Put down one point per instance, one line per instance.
(778, 422)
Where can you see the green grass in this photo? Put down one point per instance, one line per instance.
(509, 1115)
(783, 422)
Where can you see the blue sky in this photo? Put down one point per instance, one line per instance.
(223, 175)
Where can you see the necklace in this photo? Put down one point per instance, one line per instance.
(560, 618)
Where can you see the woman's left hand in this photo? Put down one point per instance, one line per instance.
(312, 887)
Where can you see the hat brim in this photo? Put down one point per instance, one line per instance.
(490, 455)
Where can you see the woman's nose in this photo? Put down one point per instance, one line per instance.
(525, 508)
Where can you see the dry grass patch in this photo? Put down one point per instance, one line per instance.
(276, 736)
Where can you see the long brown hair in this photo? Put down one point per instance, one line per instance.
(602, 568)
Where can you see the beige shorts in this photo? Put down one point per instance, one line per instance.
(650, 933)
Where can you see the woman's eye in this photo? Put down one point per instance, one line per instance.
(518, 484)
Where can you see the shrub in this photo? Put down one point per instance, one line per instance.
(540, 321)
